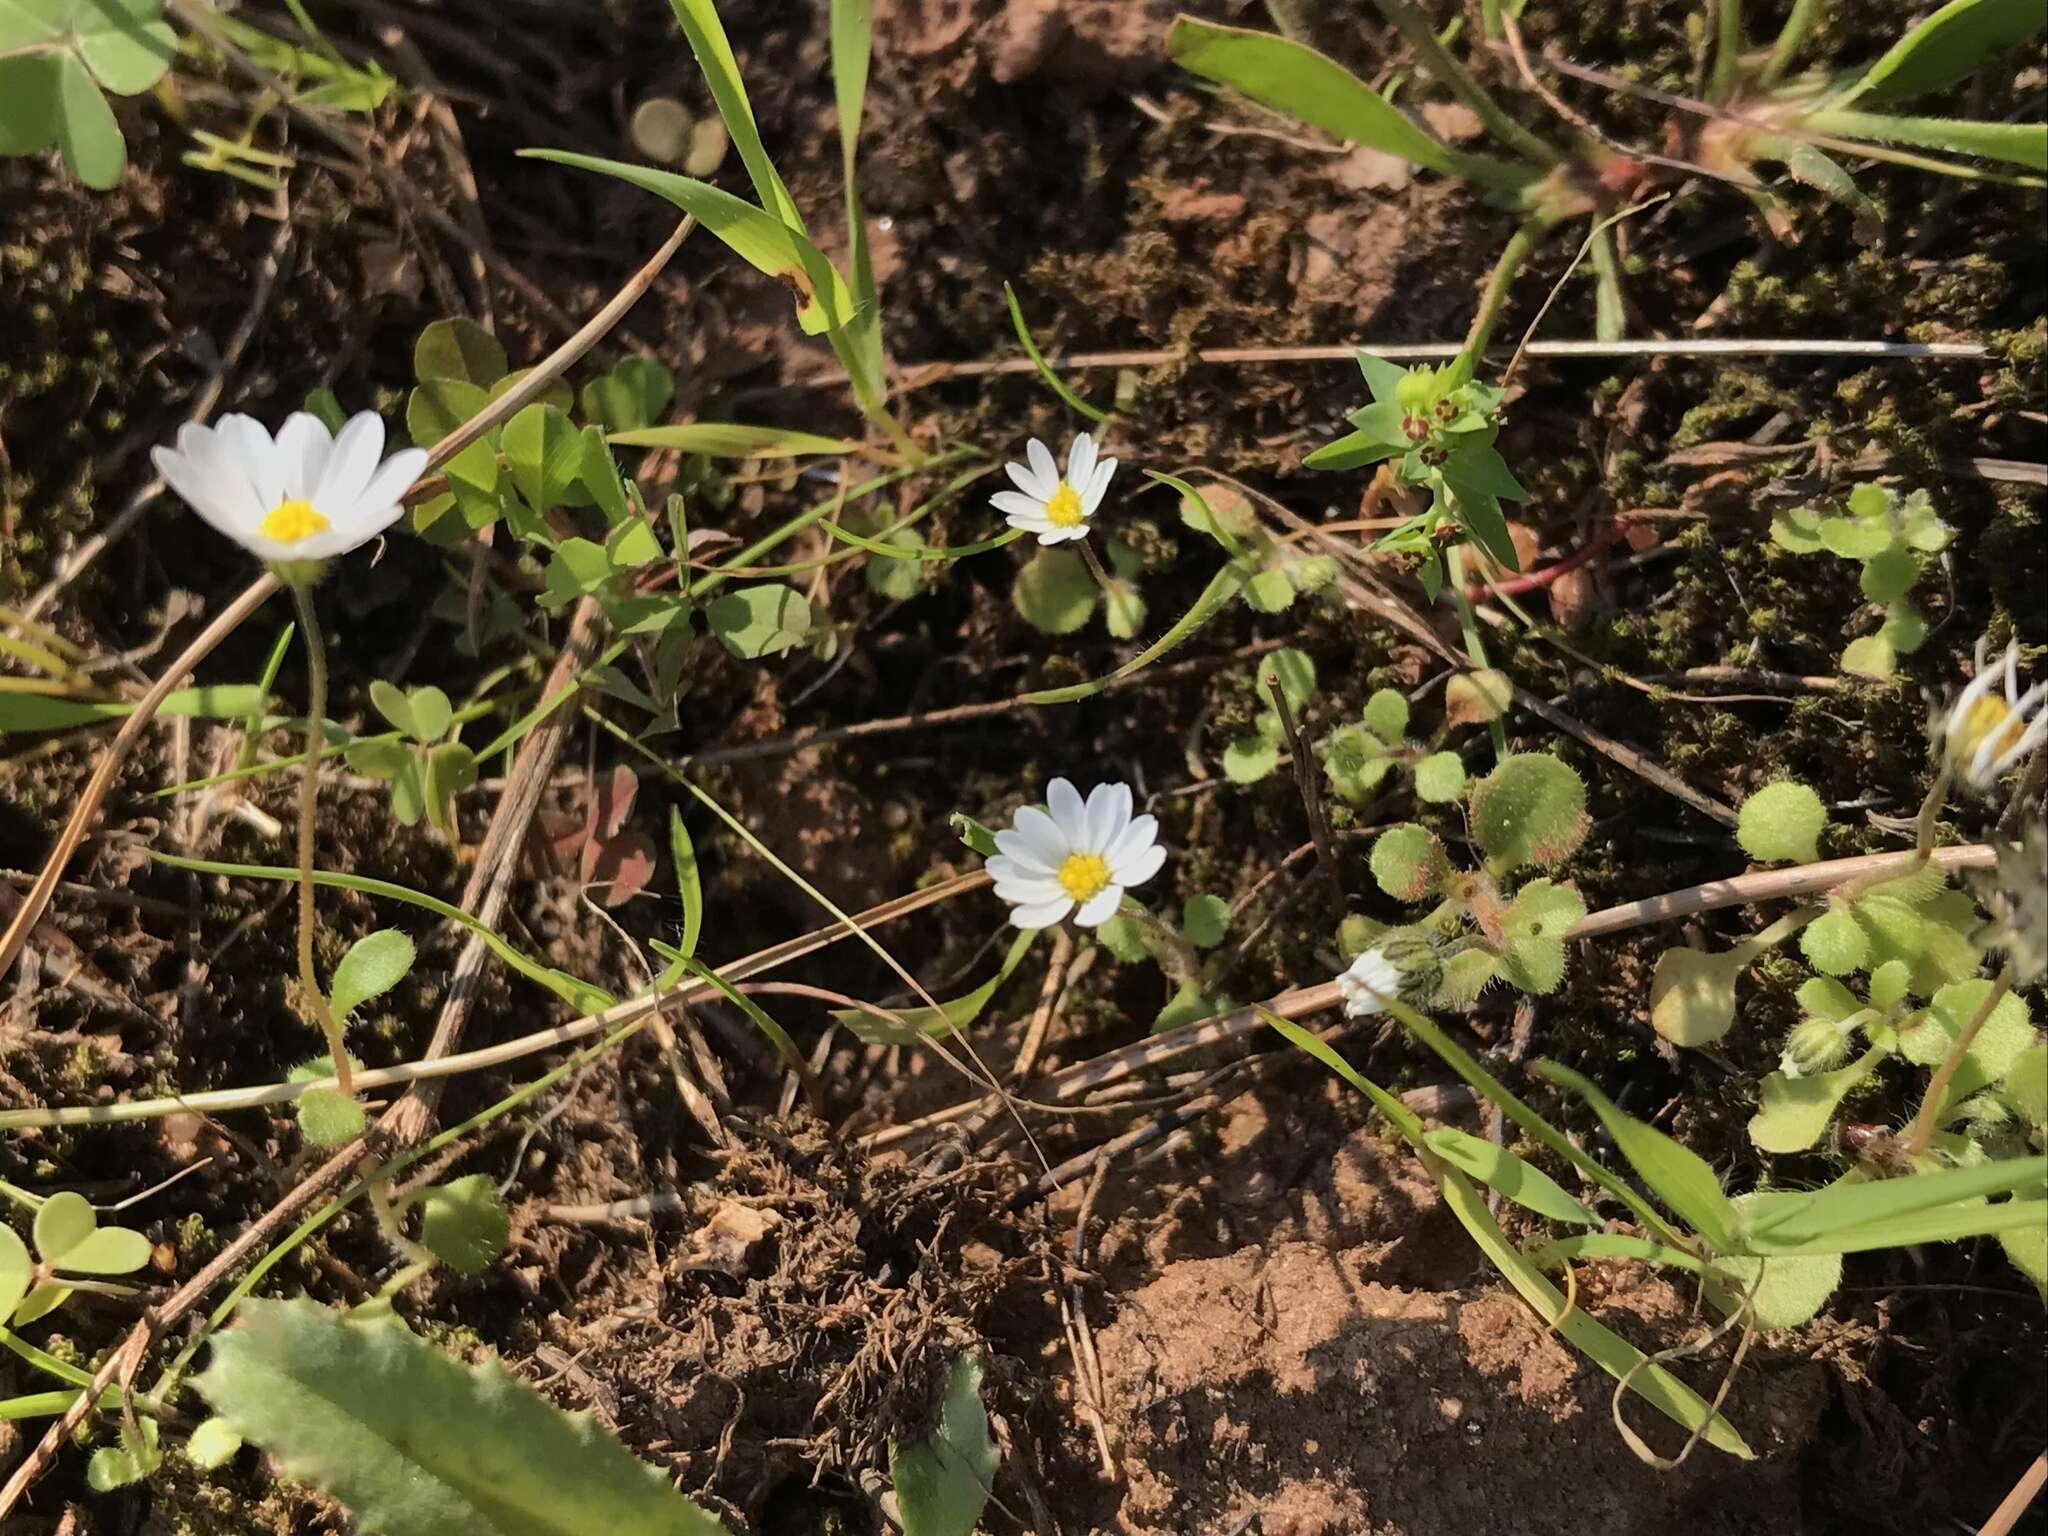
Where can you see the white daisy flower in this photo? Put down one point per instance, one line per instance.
(306, 496)
(1370, 983)
(1056, 507)
(1073, 855)
(1984, 734)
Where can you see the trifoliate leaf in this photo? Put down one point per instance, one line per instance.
(1054, 593)
(759, 621)
(416, 1444)
(1440, 778)
(1782, 821)
(633, 395)
(463, 1223)
(1204, 920)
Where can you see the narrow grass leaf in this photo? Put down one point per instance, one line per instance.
(1053, 380)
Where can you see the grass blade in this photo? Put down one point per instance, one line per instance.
(1057, 384)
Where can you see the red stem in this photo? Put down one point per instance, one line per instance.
(1515, 586)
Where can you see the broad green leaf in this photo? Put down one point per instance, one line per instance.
(2004, 1034)
(2026, 1085)
(1677, 1175)
(1409, 863)
(374, 964)
(416, 1444)
(1784, 1292)
(759, 621)
(545, 453)
(1497, 1168)
(1946, 47)
(1782, 821)
(461, 350)
(1297, 80)
(463, 1223)
(1529, 810)
(1204, 920)
(733, 440)
(1054, 592)
(942, 1482)
(1440, 778)
(16, 1266)
(1793, 1112)
(776, 249)
(44, 712)
(689, 884)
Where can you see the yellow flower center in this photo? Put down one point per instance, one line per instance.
(1063, 507)
(291, 522)
(1990, 717)
(1084, 876)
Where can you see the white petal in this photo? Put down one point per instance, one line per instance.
(1043, 914)
(1081, 462)
(357, 448)
(394, 477)
(1027, 481)
(1141, 834)
(1069, 814)
(303, 444)
(226, 483)
(1031, 893)
(1097, 487)
(1053, 535)
(1017, 504)
(1042, 836)
(252, 448)
(1137, 868)
(1109, 812)
(198, 492)
(1100, 907)
(1042, 465)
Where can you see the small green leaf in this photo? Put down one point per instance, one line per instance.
(545, 453)
(1440, 778)
(942, 1482)
(1692, 995)
(431, 713)
(896, 579)
(1822, 997)
(1529, 810)
(462, 350)
(212, 1445)
(463, 1223)
(1783, 1292)
(1793, 1113)
(1054, 593)
(1798, 531)
(1270, 592)
(1124, 938)
(1188, 1005)
(1945, 47)
(632, 396)
(63, 1222)
(416, 1444)
(2026, 1085)
(1294, 672)
(759, 621)
(451, 769)
(1782, 821)
(87, 133)
(689, 884)
(120, 1466)
(1497, 1168)
(1856, 538)
(1250, 758)
(16, 1266)
(1123, 609)
(734, 440)
(1409, 863)
(394, 706)
(374, 964)
(1835, 943)
(1204, 920)
(1889, 575)
(326, 1119)
(1386, 716)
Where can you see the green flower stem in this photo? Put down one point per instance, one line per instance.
(309, 802)
(1176, 956)
(1524, 240)
(1094, 564)
(1921, 1132)
(1727, 48)
(1468, 622)
(1435, 58)
(1800, 22)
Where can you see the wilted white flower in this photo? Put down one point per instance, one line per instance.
(1984, 734)
(1074, 854)
(1370, 983)
(307, 496)
(1056, 507)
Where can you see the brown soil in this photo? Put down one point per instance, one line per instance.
(1293, 1336)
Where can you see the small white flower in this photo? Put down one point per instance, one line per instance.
(1056, 507)
(1370, 983)
(1984, 734)
(1074, 854)
(306, 496)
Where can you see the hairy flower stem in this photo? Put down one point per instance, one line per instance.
(309, 802)
(1468, 622)
(1525, 239)
(1176, 956)
(1921, 1132)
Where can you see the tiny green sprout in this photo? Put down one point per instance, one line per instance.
(1439, 425)
(70, 1245)
(1357, 758)
(128, 1462)
(1891, 536)
(1782, 821)
(428, 767)
(463, 1223)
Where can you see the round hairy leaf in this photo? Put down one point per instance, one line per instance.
(1294, 672)
(1386, 715)
(327, 1119)
(1409, 863)
(1440, 778)
(1250, 758)
(463, 1223)
(1835, 943)
(374, 964)
(1529, 810)
(1054, 593)
(1782, 821)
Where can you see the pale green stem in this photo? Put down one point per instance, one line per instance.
(1727, 48)
(1512, 255)
(309, 803)
(1170, 948)
(1800, 22)
(1435, 58)
(1921, 1132)
(1468, 622)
